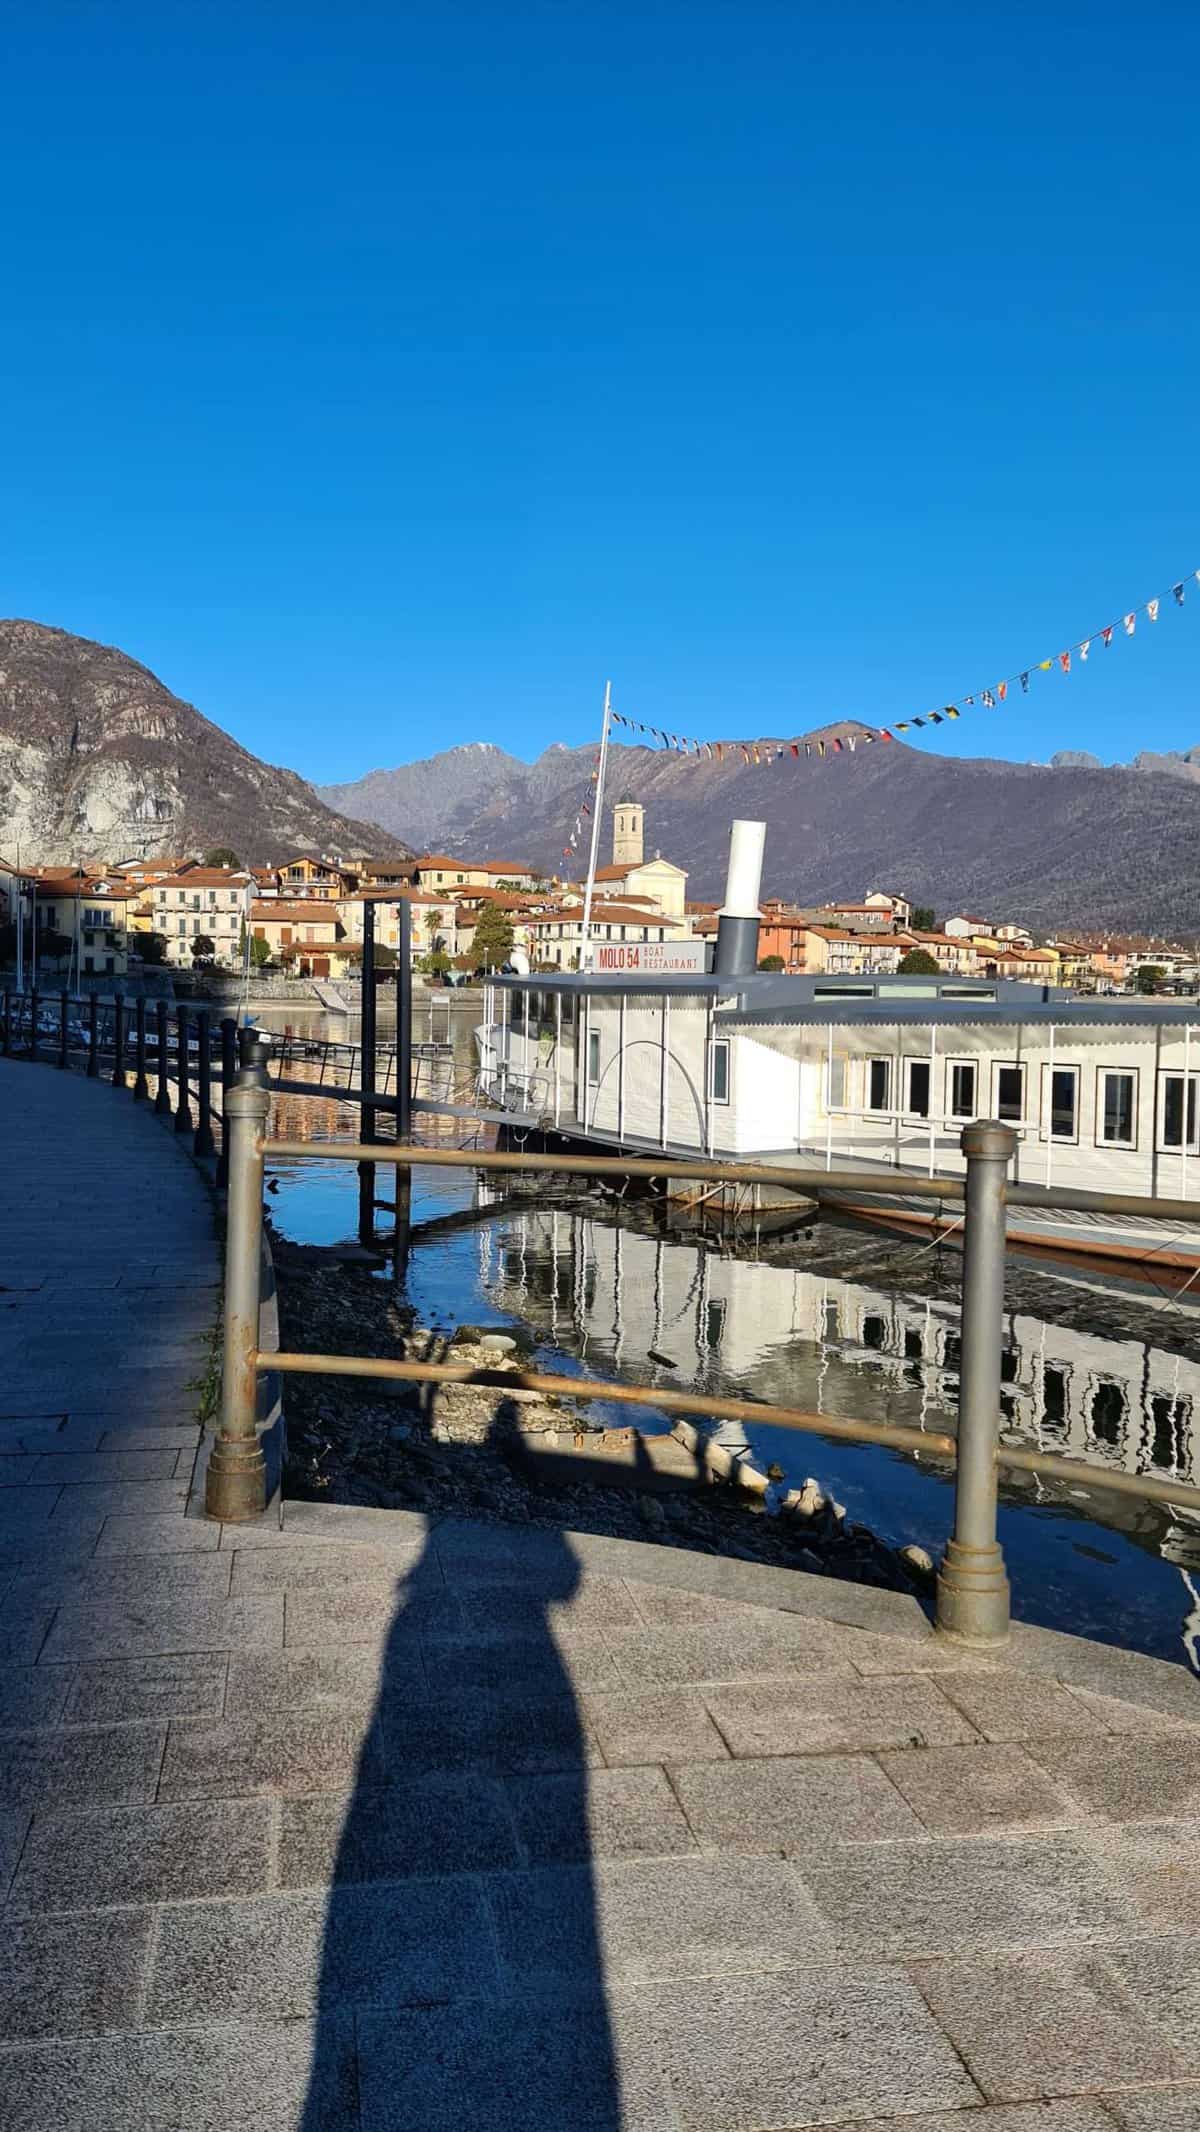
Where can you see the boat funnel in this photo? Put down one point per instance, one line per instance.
(738, 918)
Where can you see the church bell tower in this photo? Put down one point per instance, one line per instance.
(628, 824)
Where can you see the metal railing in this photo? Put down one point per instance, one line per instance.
(130, 1042)
(181, 1048)
(973, 1601)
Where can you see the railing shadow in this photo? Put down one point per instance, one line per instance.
(472, 1985)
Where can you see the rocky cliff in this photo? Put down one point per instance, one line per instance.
(99, 761)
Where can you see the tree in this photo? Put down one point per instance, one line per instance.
(434, 963)
(221, 855)
(260, 951)
(923, 919)
(493, 940)
(203, 949)
(1149, 977)
(151, 948)
(917, 963)
(772, 962)
(51, 945)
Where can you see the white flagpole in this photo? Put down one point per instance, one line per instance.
(598, 809)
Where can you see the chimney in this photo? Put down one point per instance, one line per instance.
(738, 918)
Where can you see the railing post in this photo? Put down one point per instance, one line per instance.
(93, 1064)
(366, 1113)
(162, 1094)
(204, 1144)
(34, 1006)
(6, 1026)
(183, 1116)
(64, 1011)
(141, 1086)
(229, 1064)
(118, 1072)
(235, 1487)
(972, 1588)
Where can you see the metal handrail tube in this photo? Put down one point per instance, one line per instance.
(818, 1184)
(405, 1153)
(672, 1402)
(707, 1406)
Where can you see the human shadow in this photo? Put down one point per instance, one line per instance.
(461, 1979)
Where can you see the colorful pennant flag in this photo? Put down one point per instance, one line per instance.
(757, 752)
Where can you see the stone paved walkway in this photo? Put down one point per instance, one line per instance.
(358, 1822)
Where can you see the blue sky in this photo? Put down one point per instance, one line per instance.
(388, 377)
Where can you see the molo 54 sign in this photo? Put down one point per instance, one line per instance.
(644, 958)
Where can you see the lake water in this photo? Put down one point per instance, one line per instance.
(604, 1296)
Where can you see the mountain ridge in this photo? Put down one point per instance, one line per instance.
(1051, 846)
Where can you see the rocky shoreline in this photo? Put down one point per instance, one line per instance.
(460, 1449)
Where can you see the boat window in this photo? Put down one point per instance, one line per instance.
(718, 1070)
(1064, 1103)
(917, 1103)
(1010, 1092)
(1108, 1413)
(874, 1332)
(593, 1058)
(1054, 1393)
(914, 1346)
(879, 1084)
(714, 1323)
(1170, 1418)
(963, 1103)
(1117, 1108)
(1172, 1126)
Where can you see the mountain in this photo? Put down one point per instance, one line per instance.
(1074, 845)
(99, 761)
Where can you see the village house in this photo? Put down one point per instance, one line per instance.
(900, 907)
(433, 920)
(86, 911)
(1030, 964)
(954, 957)
(314, 879)
(435, 870)
(555, 937)
(963, 927)
(301, 935)
(877, 917)
(205, 903)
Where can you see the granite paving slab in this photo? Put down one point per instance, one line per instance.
(1042, 2024)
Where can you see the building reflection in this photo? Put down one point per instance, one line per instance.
(622, 1297)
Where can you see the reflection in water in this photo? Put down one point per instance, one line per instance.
(610, 1298)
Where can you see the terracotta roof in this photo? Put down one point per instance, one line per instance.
(508, 869)
(602, 913)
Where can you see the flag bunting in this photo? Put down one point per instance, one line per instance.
(757, 752)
